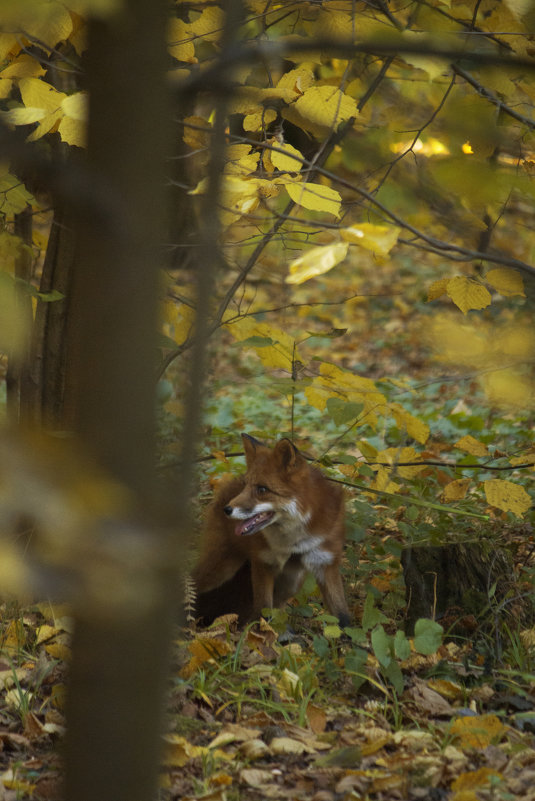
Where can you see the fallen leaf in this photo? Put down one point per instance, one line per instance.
(429, 701)
(286, 745)
(478, 731)
(475, 779)
(317, 718)
(255, 777)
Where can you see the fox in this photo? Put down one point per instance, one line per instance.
(265, 530)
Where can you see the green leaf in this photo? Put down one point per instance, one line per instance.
(402, 646)
(257, 342)
(382, 644)
(427, 636)
(371, 616)
(321, 646)
(343, 411)
(355, 665)
(394, 675)
(332, 631)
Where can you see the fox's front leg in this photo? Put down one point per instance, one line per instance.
(263, 579)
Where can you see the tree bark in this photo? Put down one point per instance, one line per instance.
(121, 637)
(17, 377)
(453, 584)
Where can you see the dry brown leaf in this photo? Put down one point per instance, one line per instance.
(33, 727)
(317, 718)
(202, 650)
(429, 701)
(255, 777)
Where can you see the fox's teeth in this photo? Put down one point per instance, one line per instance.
(254, 523)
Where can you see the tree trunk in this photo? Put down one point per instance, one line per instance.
(17, 377)
(42, 402)
(454, 584)
(120, 643)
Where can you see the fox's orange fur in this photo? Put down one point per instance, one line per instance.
(265, 531)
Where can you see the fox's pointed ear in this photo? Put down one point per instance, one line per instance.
(250, 444)
(287, 454)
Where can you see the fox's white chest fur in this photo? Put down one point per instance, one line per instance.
(289, 536)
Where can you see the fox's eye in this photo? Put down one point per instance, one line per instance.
(261, 489)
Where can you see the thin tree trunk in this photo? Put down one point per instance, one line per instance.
(17, 377)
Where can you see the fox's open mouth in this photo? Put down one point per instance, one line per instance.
(254, 523)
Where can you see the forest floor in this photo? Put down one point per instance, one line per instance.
(365, 714)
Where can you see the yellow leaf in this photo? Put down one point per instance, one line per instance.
(519, 8)
(316, 261)
(72, 131)
(509, 388)
(517, 340)
(10, 45)
(475, 779)
(434, 67)
(528, 457)
(506, 282)
(13, 637)
(438, 288)
(259, 120)
(178, 320)
(180, 42)
(395, 455)
(414, 427)
(457, 341)
(209, 24)
(382, 481)
(24, 66)
(378, 238)
(289, 161)
(335, 382)
(297, 81)
(507, 496)
(195, 138)
(178, 751)
(48, 22)
(279, 350)
(468, 294)
(472, 445)
(326, 106)
(456, 490)
(464, 795)
(14, 197)
(59, 650)
(5, 88)
(202, 650)
(240, 160)
(47, 124)
(24, 115)
(447, 689)
(40, 94)
(75, 106)
(478, 731)
(316, 197)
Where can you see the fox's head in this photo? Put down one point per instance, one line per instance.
(272, 482)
